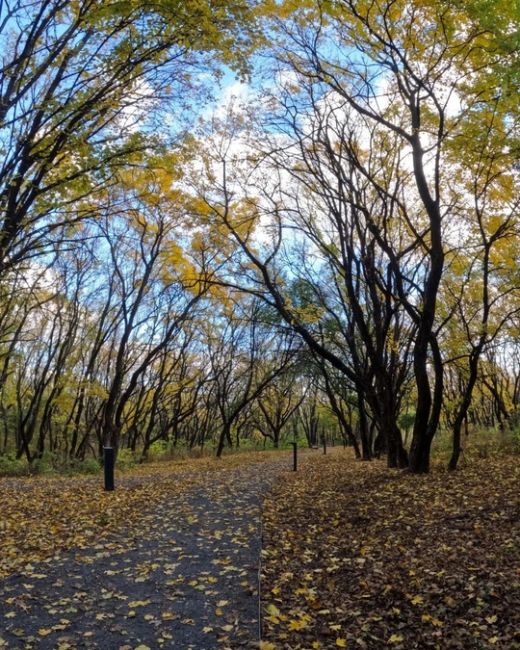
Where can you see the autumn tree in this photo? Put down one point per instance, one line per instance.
(77, 80)
(246, 357)
(277, 405)
(156, 285)
(331, 283)
(404, 85)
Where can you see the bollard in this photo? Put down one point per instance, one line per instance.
(108, 466)
(324, 441)
(295, 456)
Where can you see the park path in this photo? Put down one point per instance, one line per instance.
(189, 580)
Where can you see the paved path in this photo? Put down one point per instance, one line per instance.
(189, 581)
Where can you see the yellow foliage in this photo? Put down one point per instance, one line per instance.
(395, 638)
(297, 624)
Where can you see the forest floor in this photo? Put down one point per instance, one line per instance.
(359, 556)
(168, 560)
(352, 555)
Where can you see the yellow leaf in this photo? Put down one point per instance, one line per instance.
(222, 603)
(341, 643)
(297, 625)
(43, 631)
(267, 645)
(272, 610)
(395, 638)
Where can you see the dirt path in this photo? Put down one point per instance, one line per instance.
(190, 579)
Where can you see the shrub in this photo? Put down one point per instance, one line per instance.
(88, 466)
(159, 449)
(125, 459)
(10, 466)
(45, 465)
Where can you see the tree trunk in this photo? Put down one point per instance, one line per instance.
(225, 434)
(464, 407)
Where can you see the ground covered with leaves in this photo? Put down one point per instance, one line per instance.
(170, 559)
(356, 555)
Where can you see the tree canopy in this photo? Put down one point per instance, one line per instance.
(331, 255)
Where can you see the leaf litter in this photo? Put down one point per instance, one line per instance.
(354, 555)
(170, 559)
(359, 556)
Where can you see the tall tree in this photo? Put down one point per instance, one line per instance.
(77, 80)
(409, 73)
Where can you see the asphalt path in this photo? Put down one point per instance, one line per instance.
(188, 580)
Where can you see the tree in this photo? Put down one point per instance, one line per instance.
(76, 81)
(277, 405)
(246, 358)
(412, 82)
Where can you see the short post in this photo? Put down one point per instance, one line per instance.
(295, 456)
(324, 441)
(108, 466)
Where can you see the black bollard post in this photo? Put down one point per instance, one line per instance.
(295, 456)
(108, 465)
(324, 441)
